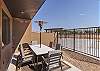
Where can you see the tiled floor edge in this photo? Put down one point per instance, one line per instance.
(73, 68)
(84, 54)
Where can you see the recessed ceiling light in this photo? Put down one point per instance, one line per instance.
(22, 12)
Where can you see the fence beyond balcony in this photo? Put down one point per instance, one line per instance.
(84, 40)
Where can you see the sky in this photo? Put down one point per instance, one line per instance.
(68, 14)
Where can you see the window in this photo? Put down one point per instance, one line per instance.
(5, 28)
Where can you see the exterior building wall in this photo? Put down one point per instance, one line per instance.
(18, 33)
(46, 38)
(0, 33)
(19, 29)
(26, 38)
(6, 50)
(27, 35)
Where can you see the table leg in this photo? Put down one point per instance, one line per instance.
(37, 60)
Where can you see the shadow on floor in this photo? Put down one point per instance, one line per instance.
(14, 61)
(81, 57)
(39, 68)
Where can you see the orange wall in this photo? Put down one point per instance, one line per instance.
(5, 51)
(27, 35)
(0, 33)
(18, 33)
(46, 37)
(19, 28)
(26, 38)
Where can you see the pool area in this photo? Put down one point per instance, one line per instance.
(88, 46)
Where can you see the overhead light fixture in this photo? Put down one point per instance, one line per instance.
(22, 12)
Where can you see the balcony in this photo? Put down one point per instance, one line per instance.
(75, 45)
(80, 46)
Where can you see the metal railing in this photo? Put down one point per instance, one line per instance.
(84, 40)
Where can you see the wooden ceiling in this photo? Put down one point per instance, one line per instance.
(25, 9)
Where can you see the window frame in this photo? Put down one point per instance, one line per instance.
(5, 28)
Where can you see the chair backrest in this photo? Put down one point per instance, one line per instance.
(21, 52)
(58, 46)
(26, 49)
(50, 44)
(25, 45)
(54, 57)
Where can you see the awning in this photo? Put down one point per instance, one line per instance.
(25, 9)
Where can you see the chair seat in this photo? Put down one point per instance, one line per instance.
(28, 59)
(27, 53)
(54, 58)
(28, 56)
(53, 61)
(27, 50)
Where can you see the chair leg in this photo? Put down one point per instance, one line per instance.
(16, 68)
(60, 66)
(42, 67)
(48, 69)
(17, 64)
(34, 62)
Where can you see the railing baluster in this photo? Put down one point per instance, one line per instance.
(92, 41)
(99, 41)
(89, 47)
(81, 40)
(66, 39)
(96, 43)
(85, 40)
(74, 40)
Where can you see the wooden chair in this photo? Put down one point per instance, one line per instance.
(26, 46)
(51, 44)
(57, 47)
(21, 59)
(29, 53)
(54, 57)
(26, 50)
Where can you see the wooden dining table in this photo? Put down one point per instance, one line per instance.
(40, 51)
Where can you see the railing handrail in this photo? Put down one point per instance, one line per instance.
(90, 37)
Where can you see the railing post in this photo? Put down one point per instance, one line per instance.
(74, 41)
(57, 37)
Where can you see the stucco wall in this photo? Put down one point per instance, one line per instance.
(19, 29)
(6, 50)
(0, 33)
(46, 37)
(18, 33)
(27, 35)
